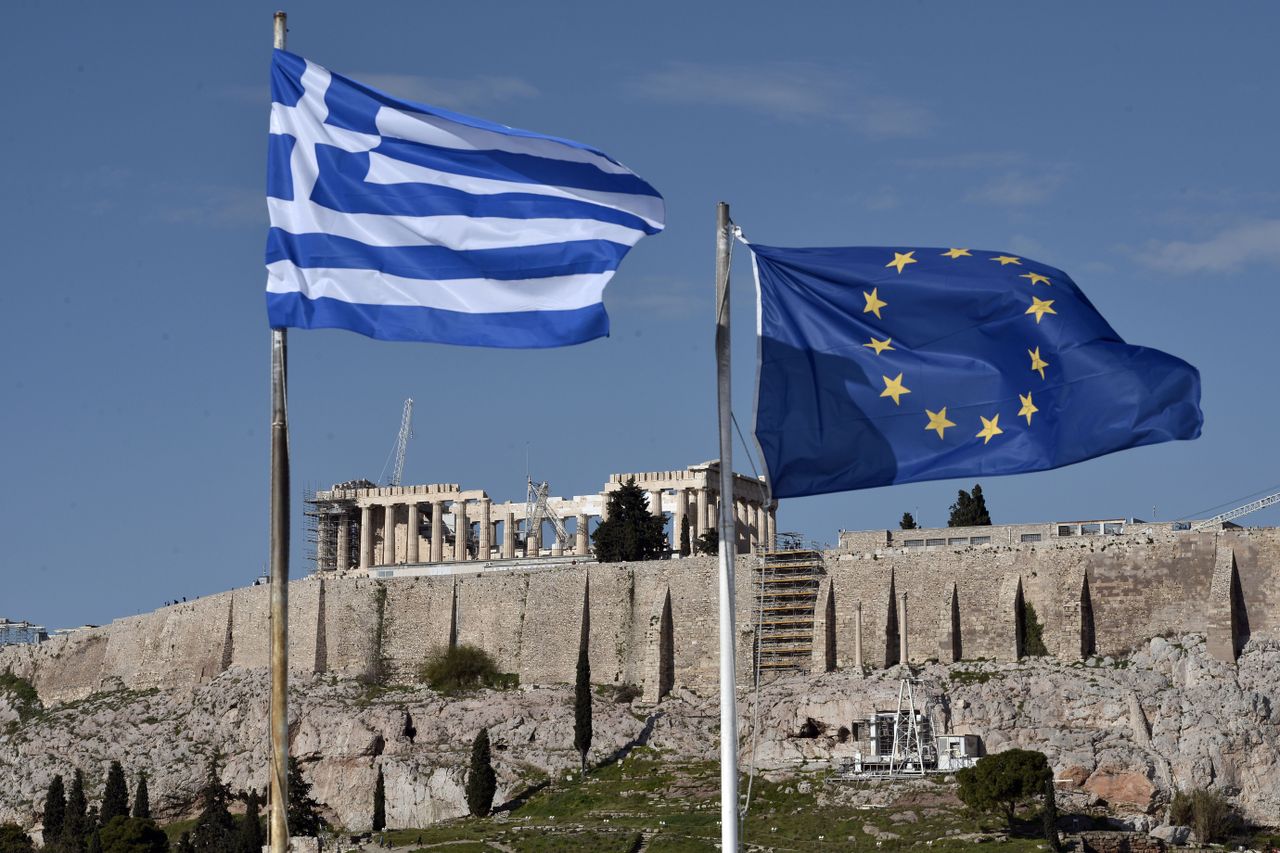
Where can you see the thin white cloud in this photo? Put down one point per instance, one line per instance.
(793, 91)
(1019, 188)
(451, 93)
(1255, 242)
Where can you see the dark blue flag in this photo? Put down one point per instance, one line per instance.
(883, 365)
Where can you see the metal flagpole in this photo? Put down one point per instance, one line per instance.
(728, 545)
(279, 727)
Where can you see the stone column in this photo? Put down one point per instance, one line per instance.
(655, 502)
(697, 517)
(389, 535)
(411, 534)
(343, 559)
(604, 506)
(460, 526)
(532, 538)
(771, 525)
(857, 638)
(366, 537)
(485, 542)
(753, 530)
(582, 536)
(677, 520)
(740, 525)
(902, 631)
(509, 535)
(557, 550)
(762, 528)
(437, 531)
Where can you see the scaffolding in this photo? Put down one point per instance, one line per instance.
(787, 579)
(323, 512)
(21, 633)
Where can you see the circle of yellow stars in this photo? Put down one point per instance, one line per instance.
(895, 389)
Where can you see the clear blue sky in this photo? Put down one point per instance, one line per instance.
(1133, 145)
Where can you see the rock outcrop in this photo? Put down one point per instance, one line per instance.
(1126, 732)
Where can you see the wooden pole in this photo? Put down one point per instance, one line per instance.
(279, 726)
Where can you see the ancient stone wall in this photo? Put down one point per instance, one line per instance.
(654, 624)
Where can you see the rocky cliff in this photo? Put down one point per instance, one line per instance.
(1122, 730)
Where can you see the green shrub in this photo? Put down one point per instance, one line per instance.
(457, 668)
(25, 700)
(1033, 632)
(1208, 813)
(999, 783)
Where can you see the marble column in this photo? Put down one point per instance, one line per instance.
(342, 560)
(582, 536)
(485, 529)
(437, 531)
(604, 506)
(655, 503)
(771, 525)
(712, 510)
(411, 534)
(557, 550)
(740, 525)
(532, 538)
(753, 530)
(460, 526)
(389, 535)
(762, 528)
(509, 535)
(678, 519)
(698, 516)
(366, 537)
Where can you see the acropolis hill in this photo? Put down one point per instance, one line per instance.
(1100, 587)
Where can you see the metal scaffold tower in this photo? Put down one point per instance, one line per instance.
(537, 510)
(787, 580)
(910, 744)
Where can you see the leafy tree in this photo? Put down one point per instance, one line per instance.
(482, 782)
(582, 706)
(379, 803)
(115, 795)
(13, 839)
(631, 531)
(214, 831)
(55, 809)
(123, 834)
(999, 783)
(908, 522)
(450, 669)
(250, 837)
(708, 542)
(75, 826)
(1032, 632)
(304, 814)
(141, 798)
(970, 509)
(685, 547)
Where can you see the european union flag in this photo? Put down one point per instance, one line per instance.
(895, 365)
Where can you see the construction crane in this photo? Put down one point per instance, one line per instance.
(538, 510)
(1232, 514)
(402, 442)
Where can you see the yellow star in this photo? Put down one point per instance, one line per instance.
(938, 421)
(879, 346)
(1040, 307)
(957, 253)
(989, 428)
(1037, 363)
(894, 388)
(1005, 260)
(874, 303)
(1036, 278)
(1028, 409)
(900, 260)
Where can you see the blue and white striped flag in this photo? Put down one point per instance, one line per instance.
(405, 222)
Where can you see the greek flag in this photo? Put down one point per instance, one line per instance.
(405, 222)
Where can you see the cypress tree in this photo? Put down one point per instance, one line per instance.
(142, 799)
(250, 835)
(214, 831)
(482, 782)
(304, 814)
(75, 825)
(686, 547)
(55, 809)
(631, 532)
(582, 705)
(95, 842)
(379, 804)
(115, 795)
(969, 510)
(185, 844)
(14, 839)
(908, 522)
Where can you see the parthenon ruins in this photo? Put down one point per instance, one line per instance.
(359, 526)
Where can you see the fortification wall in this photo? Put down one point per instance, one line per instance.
(654, 624)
